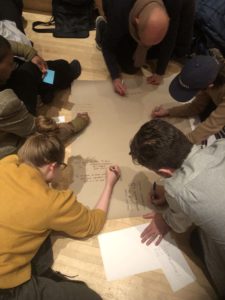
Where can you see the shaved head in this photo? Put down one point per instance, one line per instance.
(152, 24)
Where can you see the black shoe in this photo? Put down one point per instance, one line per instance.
(75, 68)
(100, 25)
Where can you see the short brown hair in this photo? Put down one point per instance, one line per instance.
(41, 149)
(159, 144)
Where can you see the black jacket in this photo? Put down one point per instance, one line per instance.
(177, 40)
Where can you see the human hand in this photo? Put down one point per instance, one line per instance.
(80, 122)
(40, 63)
(113, 174)
(159, 112)
(157, 196)
(157, 229)
(154, 79)
(119, 87)
(84, 115)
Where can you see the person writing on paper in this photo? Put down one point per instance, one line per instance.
(204, 78)
(130, 28)
(30, 210)
(194, 192)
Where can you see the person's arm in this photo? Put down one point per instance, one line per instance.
(117, 14)
(172, 218)
(213, 124)
(112, 175)
(29, 54)
(167, 46)
(109, 45)
(73, 218)
(14, 117)
(23, 50)
(191, 109)
(181, 14)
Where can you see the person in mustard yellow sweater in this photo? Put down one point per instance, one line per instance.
(30, 210)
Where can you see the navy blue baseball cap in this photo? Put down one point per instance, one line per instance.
(197, 74)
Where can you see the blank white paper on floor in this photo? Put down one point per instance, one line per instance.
(124, 255)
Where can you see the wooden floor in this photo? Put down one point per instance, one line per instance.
(150, 285)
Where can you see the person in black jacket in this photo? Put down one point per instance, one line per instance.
(132, 27)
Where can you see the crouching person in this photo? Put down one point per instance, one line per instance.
(193, 190)
(30, 210)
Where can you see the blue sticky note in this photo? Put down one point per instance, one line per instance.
(49, 77)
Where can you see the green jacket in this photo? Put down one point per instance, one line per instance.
(22, 50)
(16, 122)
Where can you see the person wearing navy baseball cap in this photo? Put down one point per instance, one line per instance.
(197, 74)
(202, 77)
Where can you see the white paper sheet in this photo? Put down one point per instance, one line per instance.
(124, 255)
(59, 119)
(173, 264)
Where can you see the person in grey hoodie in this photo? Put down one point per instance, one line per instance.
(193, 192)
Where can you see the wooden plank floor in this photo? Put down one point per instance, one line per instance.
(149, 285)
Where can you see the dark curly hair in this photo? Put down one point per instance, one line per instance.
(158, 144)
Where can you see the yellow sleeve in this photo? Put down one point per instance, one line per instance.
(193, 108)
(10, 159)
(73, 218)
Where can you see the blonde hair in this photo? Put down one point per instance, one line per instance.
(41, 149)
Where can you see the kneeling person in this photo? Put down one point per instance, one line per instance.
(194, 190)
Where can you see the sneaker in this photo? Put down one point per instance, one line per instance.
(100, 25)
(75, 68)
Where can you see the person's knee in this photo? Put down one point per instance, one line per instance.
(65, 72)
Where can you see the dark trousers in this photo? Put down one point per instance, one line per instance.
(26, 82)
(40, 287)
(12, 10)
